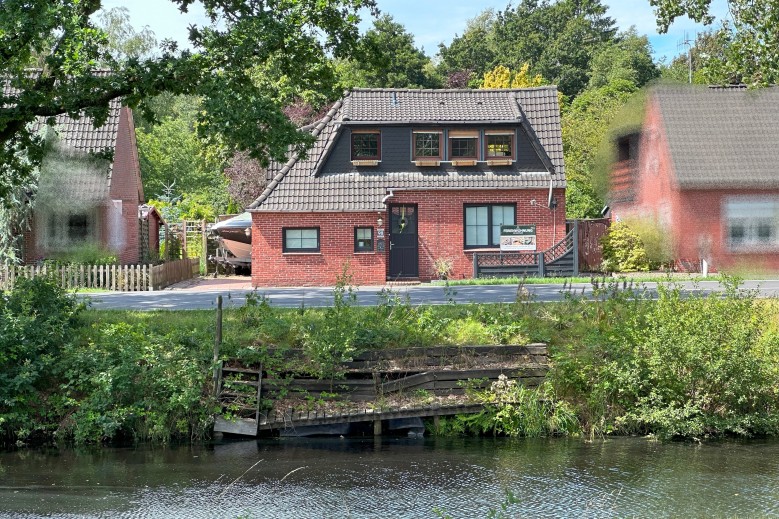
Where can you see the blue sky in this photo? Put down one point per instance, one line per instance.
(430, 21)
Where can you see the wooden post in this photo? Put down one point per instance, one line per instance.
(205, 243)
(217, 342)
(437, 423)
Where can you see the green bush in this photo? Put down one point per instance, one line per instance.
(124, 382)
(692, 366)
(623, 250)
(85, 254)
(37, 321)
(513, 410)
(656, 240)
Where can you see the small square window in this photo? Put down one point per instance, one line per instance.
(363, 239)
(427, 145)
(301, 240)
(463, 147)
(366, 145)
(500, 146)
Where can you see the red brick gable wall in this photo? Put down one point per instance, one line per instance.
(440, 234)
(125, 186)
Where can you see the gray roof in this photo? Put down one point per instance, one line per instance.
(74, 136)
(722, 137)
(297, 186)
(80, 134)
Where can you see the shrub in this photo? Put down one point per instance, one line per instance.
(656, 240)
(85, 254)
(623, 250)
(37, 320)
(684, 366)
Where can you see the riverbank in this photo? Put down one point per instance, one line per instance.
(688, 367)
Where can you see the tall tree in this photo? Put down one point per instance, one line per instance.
(558, 38)
(585, 126)
(709, 61)
(387, 58)
(296, 35)
(753, 37)
(472, 54)
(122, 40)
(628, 58)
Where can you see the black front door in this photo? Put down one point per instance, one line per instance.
(403, 244)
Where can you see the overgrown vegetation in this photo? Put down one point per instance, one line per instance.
(685, 365)
(623, 250)
(64, 377)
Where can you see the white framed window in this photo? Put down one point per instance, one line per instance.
(751, 223)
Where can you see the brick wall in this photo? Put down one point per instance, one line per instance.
(125, 186)
(440, 232)
(693, 218)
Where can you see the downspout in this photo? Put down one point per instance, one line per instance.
(554, 213)
(390, 195)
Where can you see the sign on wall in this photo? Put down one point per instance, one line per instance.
(517, 237)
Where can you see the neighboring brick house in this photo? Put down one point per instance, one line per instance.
(398, 179)
(78, 204)
(705, 167)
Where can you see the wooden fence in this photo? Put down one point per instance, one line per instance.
(129, 278)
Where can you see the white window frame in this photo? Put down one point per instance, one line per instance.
(754, 215)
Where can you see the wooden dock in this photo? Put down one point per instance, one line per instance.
(371, 377)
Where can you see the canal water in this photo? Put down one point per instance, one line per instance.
(399, 478)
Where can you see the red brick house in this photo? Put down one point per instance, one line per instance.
(90, 189)
(399, 179)
(705, 166)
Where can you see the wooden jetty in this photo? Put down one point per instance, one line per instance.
(370, 377)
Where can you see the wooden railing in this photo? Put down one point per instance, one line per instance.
(129, 278)
(558, 260)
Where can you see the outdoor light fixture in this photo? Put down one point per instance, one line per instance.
(379, 222)
(248, 231)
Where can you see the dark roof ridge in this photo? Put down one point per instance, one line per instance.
(319, 126)
(453, 90)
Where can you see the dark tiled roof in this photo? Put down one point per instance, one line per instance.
(80, 134)
(297, 187)
(379, 104)
(722, 137)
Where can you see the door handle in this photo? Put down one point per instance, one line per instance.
(391, 245)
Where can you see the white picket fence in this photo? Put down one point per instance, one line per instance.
(129, 278)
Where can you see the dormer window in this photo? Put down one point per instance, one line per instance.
(463, 144)
(427, 144)
(366, 146)
(499, 144)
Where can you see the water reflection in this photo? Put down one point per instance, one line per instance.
(315, 478)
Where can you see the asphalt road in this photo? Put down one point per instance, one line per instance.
(367, 296)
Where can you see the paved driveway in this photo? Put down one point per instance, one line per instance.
(202, 295)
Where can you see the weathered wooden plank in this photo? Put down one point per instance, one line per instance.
(242, 426)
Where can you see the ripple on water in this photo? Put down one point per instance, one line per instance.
(394, 478)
